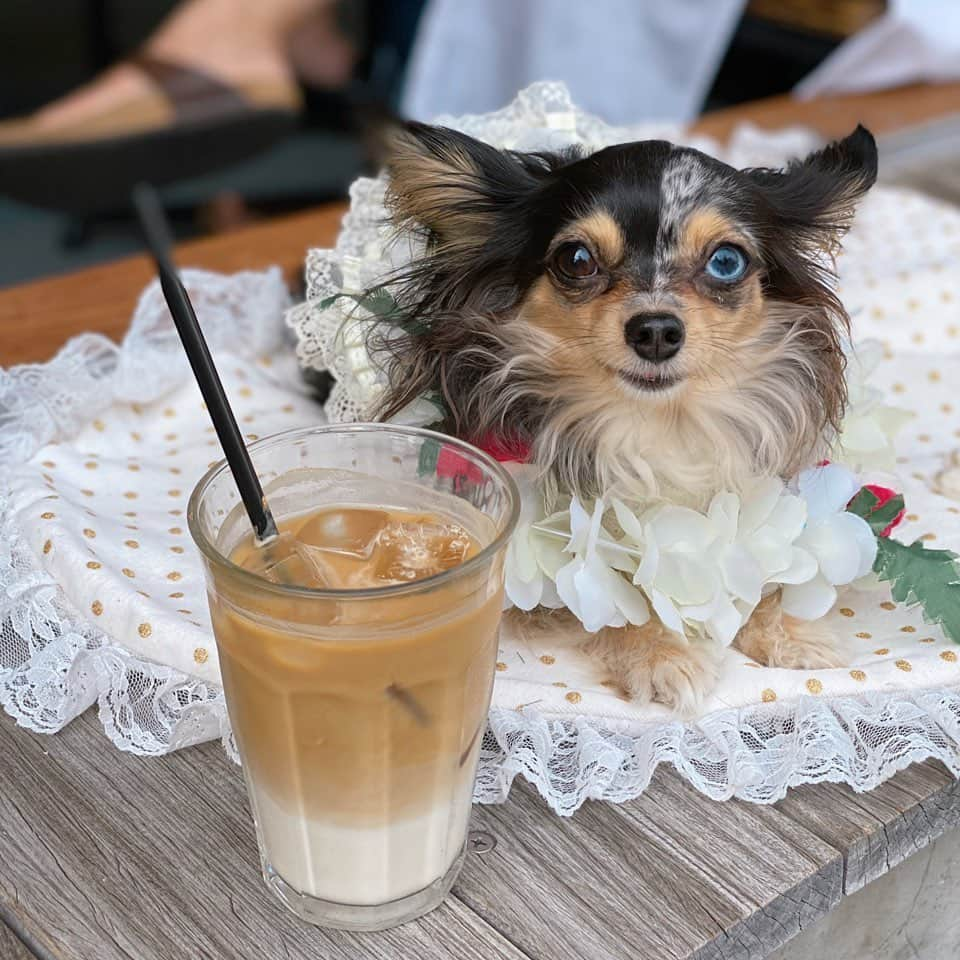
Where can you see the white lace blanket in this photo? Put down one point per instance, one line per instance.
(90, 619)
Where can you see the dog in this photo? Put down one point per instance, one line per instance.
(644, 319)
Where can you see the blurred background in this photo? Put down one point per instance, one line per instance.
(244, 109)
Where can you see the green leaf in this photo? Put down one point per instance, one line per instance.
(380, 304)
(882, 517)
(864, 503)
(376, 301)
(429, 454)
(930, 578)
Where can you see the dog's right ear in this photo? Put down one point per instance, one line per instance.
(458, 188)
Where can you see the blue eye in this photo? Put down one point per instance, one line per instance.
(727, 263)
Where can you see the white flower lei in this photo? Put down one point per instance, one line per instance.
(702, 573)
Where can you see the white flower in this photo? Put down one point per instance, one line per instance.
(869, 425)
(526, 585)
(842, 543)
(597, 594)
(762, 547)
(675, 572)
(756, 547)
(706, 573)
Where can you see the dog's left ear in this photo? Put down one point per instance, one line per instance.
(816, 197)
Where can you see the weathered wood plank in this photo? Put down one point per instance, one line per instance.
(907, 914)
(670, 876)
(878, 830)
(145, 859)
(11, 946)
(119, 856)
(779, 877)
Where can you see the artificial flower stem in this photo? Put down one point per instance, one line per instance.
(601, 541)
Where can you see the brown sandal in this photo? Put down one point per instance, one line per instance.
(191, 123)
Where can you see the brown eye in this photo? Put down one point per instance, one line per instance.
(574, 261)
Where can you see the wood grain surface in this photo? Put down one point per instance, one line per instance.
(878, 830)
(104, 855)
(669, 875)
(11, 946)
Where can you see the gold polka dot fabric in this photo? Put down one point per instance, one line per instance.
(105, 511)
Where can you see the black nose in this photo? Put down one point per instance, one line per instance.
(655, 336)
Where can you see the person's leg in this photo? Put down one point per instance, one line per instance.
(235, 41)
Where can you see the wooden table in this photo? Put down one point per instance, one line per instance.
(104, 855)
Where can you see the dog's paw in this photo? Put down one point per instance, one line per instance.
(805, 645)
(776, 639)
(683, 679)
(679, 675)
(651, 664)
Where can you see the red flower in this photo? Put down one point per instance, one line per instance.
(505, 449)
(883, 494)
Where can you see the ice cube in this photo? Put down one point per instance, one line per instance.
(290, 562)
(328, 566)
(411, 550)
(291, 571)
(348, 531)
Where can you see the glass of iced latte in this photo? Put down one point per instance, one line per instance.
(357, 651)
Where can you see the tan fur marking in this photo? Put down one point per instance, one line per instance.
(432, 190)
(602, 233)
(547, 309)
(776, 639)
(704, 229)
(714, 333)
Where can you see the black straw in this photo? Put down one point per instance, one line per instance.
(157, 233)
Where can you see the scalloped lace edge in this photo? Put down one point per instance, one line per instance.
(752, 753)
(54, 665)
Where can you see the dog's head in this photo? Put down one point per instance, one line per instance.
(646, 312)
